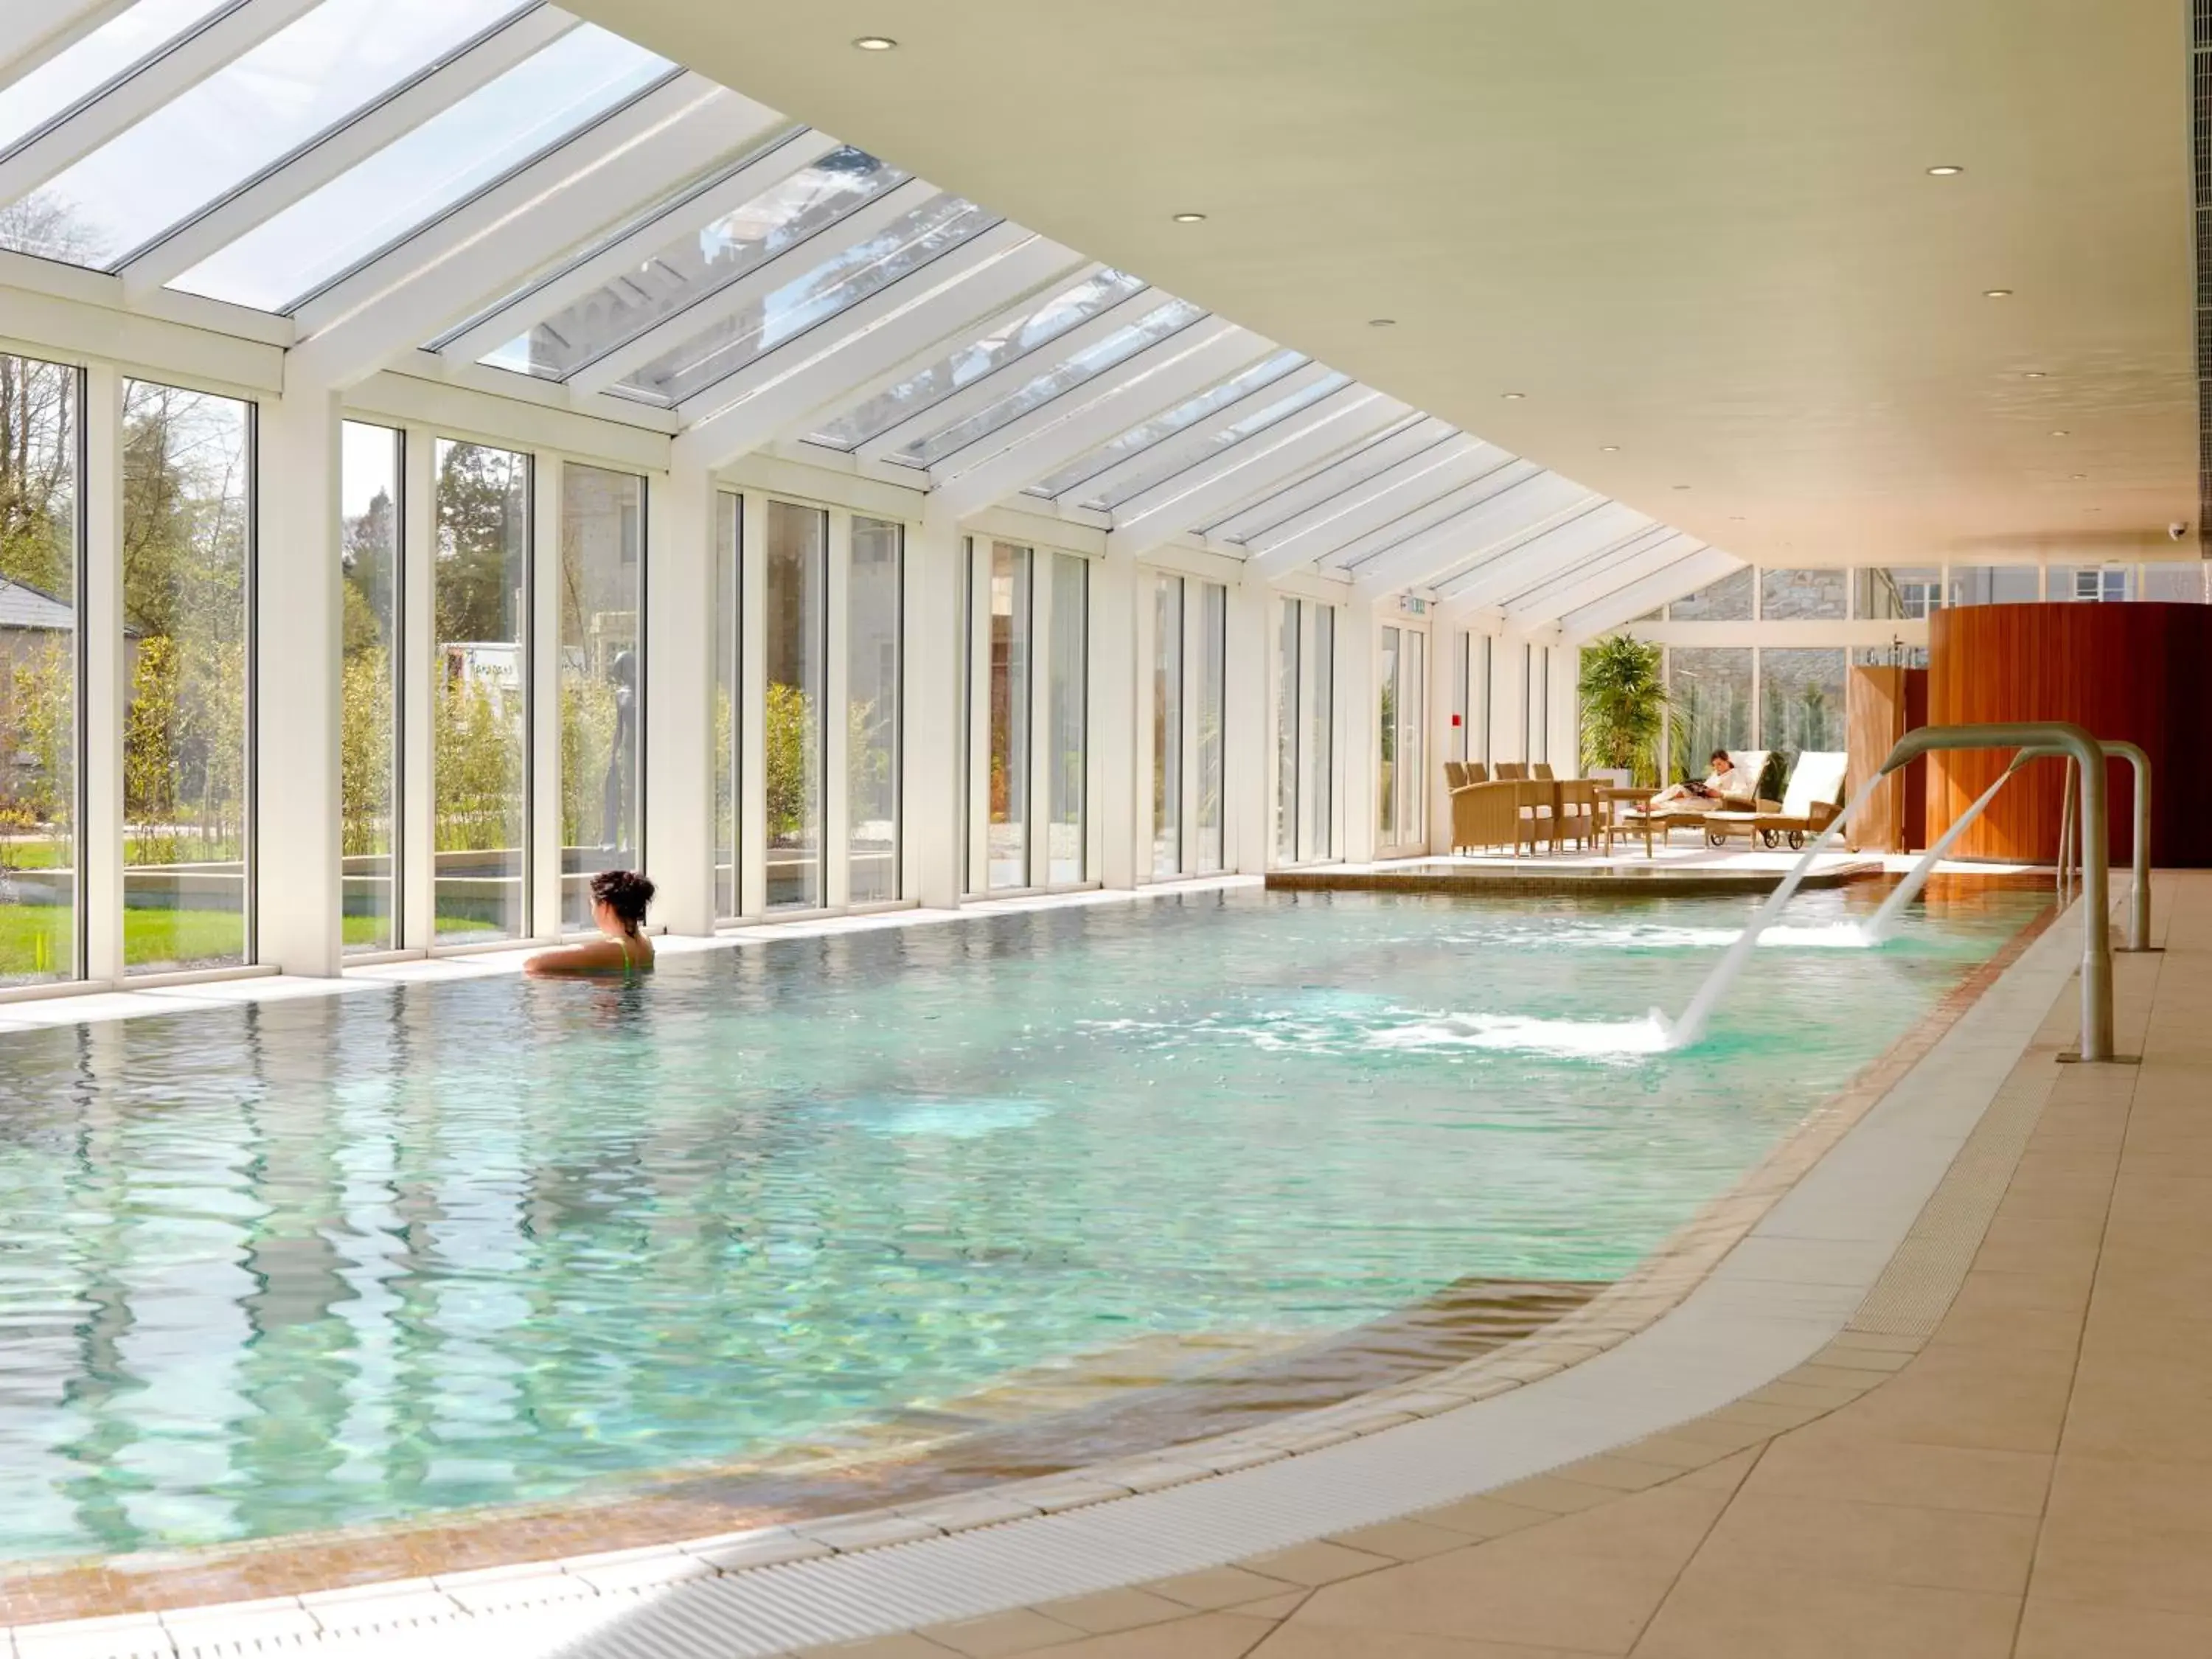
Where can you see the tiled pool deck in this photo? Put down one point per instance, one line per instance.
(1818, 1448)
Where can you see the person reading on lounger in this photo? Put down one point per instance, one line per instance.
(1724, 781)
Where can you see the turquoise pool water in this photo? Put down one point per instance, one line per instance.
(327, 1262)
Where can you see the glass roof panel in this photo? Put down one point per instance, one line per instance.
(1182, 457)
(977, 358)
(697, 263)
(305, 79)
(843, 279)
(1145, 434)
(114, 49)
(1374, 457)
(501, 126)
(1063, 376)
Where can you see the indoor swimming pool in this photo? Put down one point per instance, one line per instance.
(320, 1263)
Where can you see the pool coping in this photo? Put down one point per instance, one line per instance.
(1720, 1275)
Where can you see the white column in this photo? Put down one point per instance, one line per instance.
(1037, 844)
(679, 682)
(977, 560)
(932, 813)
(1358, 729)
(300, 593)
(107, 696)
(1121, 753)
(421, 681)
(1250, 727)
(837, 726)
(543, 658)
(1508, 698)
(1566, 715)
(1443, 672)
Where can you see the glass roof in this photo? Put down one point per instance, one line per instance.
(501, 126)
(1181, 458)
(111, 51)
(840, 280)
(1145, 434)
(322, 69)
(1374, 457)
(1063, 376)
(1003, 345)
(697, 263)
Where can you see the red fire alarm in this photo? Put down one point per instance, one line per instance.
(1455, 722)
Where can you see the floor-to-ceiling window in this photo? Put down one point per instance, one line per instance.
(369, 685)
(480, 688)
(40, 554)
(1305, 669)
(187, 605)
(1801, 701)
(602, 607)
(1009, 700)
(1710, 691)
(1211, 691)
(1067, 721)
(873, 614)
(729, 531)
(1166, 725)
(1401, 701)
(796, 641)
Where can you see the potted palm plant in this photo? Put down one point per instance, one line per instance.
(1623, 694)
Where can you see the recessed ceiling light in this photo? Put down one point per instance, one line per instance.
(2034, 374)
(1515, 397)
(1382, 322)
(1996, 294)
(2061, 432)
(1190, 218)
(1681, 486)
(1947, 171)
(2078, 476)
(875, 42)
(1609, 449)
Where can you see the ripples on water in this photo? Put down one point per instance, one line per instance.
(323, 1263)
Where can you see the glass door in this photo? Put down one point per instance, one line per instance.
(1305, 668)
(1402, 702)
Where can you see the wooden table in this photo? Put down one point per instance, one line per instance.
(1606, 799)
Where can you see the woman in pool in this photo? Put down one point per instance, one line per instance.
(1724, 781)
(619, 898)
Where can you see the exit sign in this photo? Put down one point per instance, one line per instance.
(1413, 606)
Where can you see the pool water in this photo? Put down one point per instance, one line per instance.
(327, 1262)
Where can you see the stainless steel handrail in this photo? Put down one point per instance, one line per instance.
(2139, 899)
(2096, 882)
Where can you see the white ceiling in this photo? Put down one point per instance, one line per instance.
(1702, 231)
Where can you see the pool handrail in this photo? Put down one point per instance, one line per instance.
(2139, 899)
(2096, 882)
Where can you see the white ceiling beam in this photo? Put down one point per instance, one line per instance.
(1423, 507)
(1049, 437)
(1591, 566)
(39, 31)
(909, 321)
(985, 390)
(1194, 441)
(529, 223)
(1539, 551)
(1068, 269)
(871, 218)
(68, 141)
(299, 175)
(1637, 559)
(624, 255)
(1685, 575)
(1366, 506)
(1344, 419)
(1497, 509)
(1411, 435)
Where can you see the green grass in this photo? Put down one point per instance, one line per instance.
(34, 938)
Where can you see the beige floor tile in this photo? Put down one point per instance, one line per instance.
(1001, 1633)
(1764, 1615)
(1296, 1641)
(2051, 1628)
(1201, 1636)
(1979, 1397)
(1855, 1380)
(1113, 1610)
(1878, 1543)
(1763, 1414)
(1272, 1607)
(2127, 1533)
(1724, 1437)
(1403, 1541)
(1484, 1517)
(1218, 1587)
(1724, 1476)
(1616, 1473)
(1549, 1491)
(2139, 1401)
(1313, 1563)
(881, 1647)
(1588, 1582)
(1843, 1463)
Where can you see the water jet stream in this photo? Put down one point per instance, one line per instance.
(1877, 928)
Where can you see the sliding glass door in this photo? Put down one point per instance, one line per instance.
(796, 651)
(1401, 703)
(1189, 625)
(1305, 712)
(1029, 700)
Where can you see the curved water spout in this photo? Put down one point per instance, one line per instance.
(1877, 928)
(1681, 1033)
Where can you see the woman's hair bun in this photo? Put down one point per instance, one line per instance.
(626, 892)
